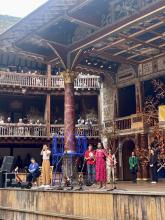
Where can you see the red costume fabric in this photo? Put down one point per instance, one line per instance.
(100, 165)
(90, 157)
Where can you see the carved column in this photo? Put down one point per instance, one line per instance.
(116, 104)
(137, 151)
(69, 163)
(49, 74)
(69, 112)
(48, 104)
(138, 96)
(47, 114)
(144, 146)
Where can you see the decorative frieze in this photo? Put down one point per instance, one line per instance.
(151, 67)
(125, 73)
(161, 63)
(107, 99)
(119, 9)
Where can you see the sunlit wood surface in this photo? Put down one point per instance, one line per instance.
(142, 201)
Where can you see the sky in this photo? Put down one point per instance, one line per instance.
(19, 8)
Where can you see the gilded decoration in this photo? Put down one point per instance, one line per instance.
(69, 76)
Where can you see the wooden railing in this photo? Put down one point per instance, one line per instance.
(88, 131)
(22, 130)
(87, 82)
(57, 82)
(135, 122)
(23, 80)
(40, 81)
(32, 130)
(123, 123)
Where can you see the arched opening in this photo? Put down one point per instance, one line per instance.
(128, 147)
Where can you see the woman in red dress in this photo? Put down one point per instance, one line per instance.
(100, 165)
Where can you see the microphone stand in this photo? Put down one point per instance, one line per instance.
(60, 181)
(80, 177)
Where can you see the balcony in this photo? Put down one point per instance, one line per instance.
(88, 131)
(134, 123)
(40, 131)
(32, 80)
(23, 130)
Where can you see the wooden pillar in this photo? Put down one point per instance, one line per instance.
(116, 104)
(120, 158)
(137, 151)
(69, 112)
(48, 102)
(69, 160)
(47, 114)
(138, 93)
(49, 74)
(11, 151)
(144, 146)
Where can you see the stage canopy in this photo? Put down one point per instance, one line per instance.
(93, 34)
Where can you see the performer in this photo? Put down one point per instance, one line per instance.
(45, 165)
(153, 166)
(34, 172)
(133, 165)
(90, 159)
(111, 166)
(101, 165)
(155, 143)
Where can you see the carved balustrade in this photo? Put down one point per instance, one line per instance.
(23, 80)
(22, 130)
(57, 82)
(87, 82)
(123, 123)
(40, 81)
(35, 130)
(134, 122)
(83, 130)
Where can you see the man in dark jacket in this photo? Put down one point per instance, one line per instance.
(153, 166)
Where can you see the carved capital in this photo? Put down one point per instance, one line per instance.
(69, 76)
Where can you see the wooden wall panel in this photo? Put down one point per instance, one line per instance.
(27, 204)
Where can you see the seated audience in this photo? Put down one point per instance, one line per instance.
(1, 120)
(20, 121)
(8, 120)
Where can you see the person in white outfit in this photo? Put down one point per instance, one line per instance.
(45, 165)
(111, 166)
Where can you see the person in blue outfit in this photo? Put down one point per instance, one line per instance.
(34, 172)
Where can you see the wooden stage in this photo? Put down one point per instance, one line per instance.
(142, 201)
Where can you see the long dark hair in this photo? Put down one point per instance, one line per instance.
(101, 145)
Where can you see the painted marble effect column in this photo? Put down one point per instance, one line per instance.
(69, 112)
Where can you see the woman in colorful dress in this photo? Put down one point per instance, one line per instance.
(101, 165)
